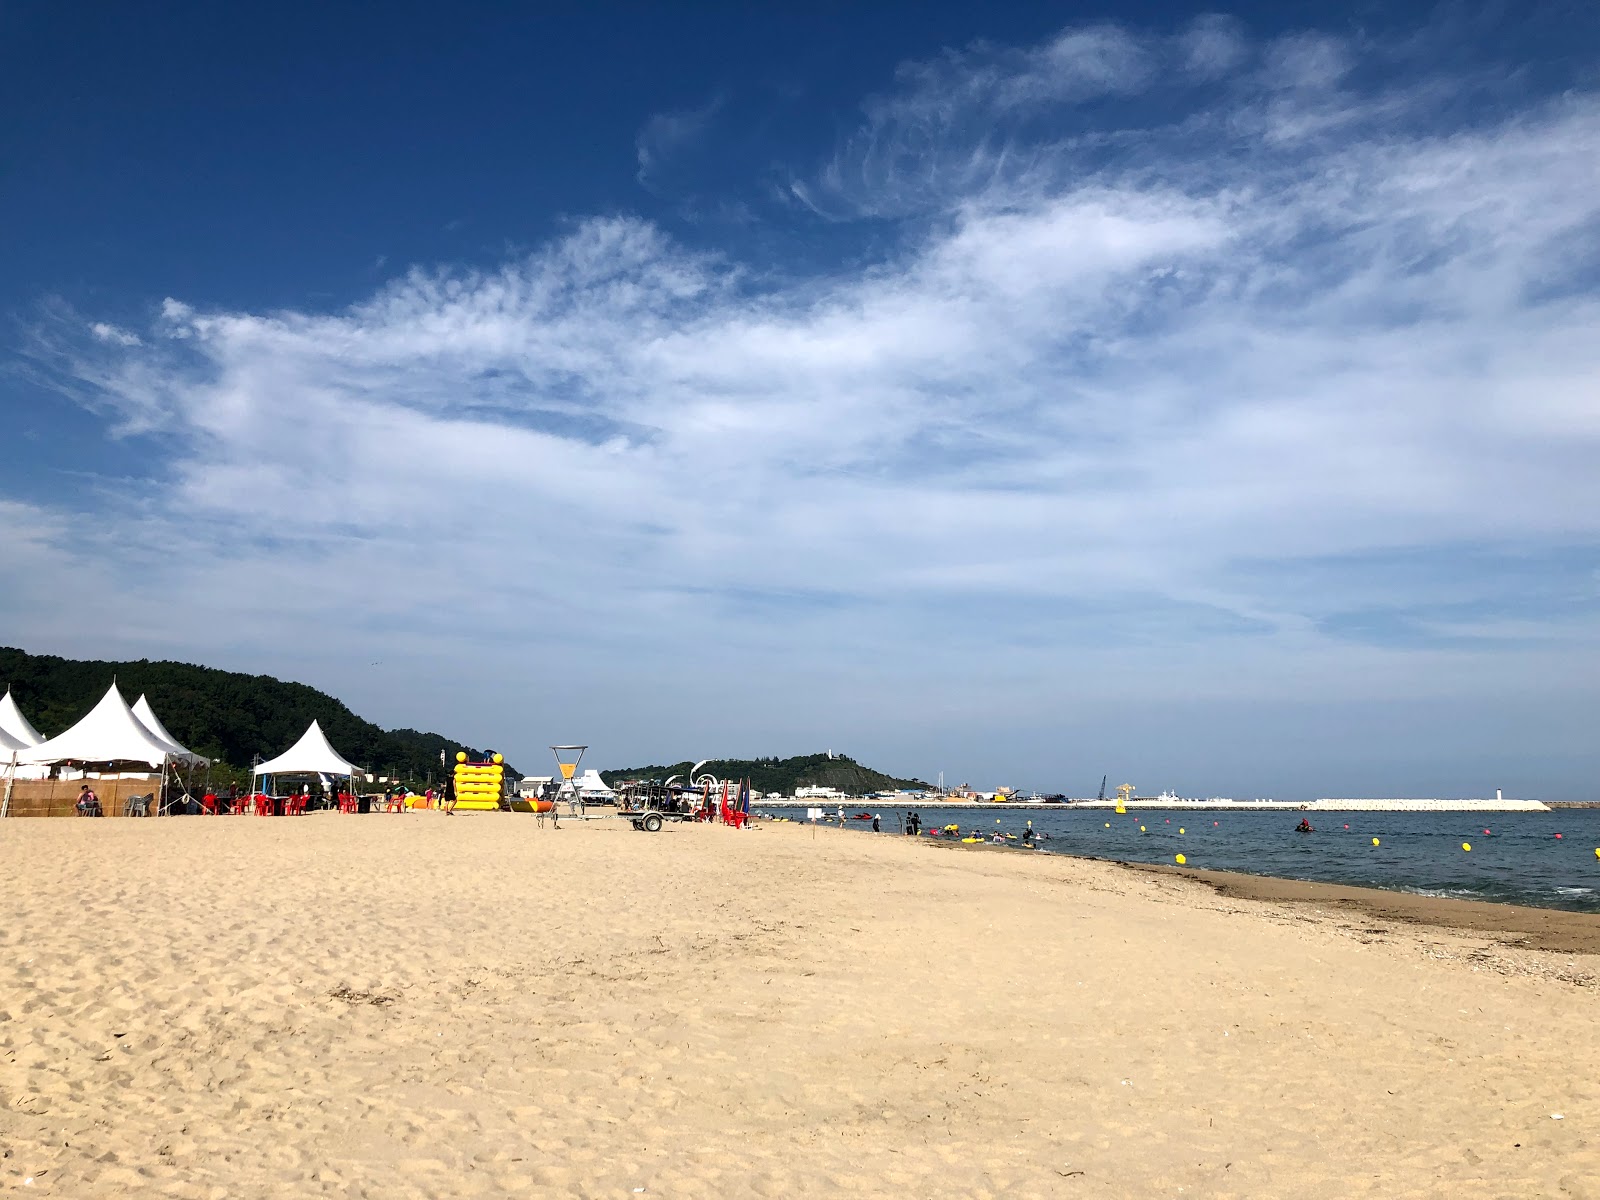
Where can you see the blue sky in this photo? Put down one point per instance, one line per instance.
(1027, 392)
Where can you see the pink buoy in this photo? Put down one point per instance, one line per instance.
(1347, 827)
(1558, 837)
(1485, 833)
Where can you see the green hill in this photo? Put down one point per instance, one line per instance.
(223, 715)
(780, 774)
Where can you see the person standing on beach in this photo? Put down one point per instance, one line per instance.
(875, 828)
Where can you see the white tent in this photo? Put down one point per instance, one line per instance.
(311, 755)
(14, 724)
(591, 787)
(110, 733)
(147, 717)
(16, 736)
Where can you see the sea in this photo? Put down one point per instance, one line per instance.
(1546, 860)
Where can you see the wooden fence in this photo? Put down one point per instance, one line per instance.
(59, 797)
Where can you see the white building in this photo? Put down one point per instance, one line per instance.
(818, 793)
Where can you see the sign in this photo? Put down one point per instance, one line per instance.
(813, 814)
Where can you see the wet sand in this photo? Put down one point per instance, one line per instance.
(1511, 924)
(473, 1006)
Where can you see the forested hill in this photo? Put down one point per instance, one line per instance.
(220, 714)
(780, 774)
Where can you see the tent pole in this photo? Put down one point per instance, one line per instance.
(11, 779)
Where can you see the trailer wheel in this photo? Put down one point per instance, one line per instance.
(638, 824)
(652, 823)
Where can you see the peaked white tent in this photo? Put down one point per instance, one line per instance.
(591, 787)
(14, 724)
(16, 736)
(311, 755)
(147, 717)
(110, 733)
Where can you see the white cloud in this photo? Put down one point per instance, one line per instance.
(665, 139)
(1212, 46)
(1097, 400)
(113, 334)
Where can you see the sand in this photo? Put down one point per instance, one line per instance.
(473, 1006)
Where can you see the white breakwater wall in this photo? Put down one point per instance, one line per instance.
(1180, 805)
(1404, 805)
(1264, 806)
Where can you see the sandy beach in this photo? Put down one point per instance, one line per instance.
(424, 1006)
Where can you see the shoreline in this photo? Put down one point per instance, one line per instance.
(1558, 930)
(1529, 927)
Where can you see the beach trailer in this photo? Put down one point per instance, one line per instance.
(649, 806)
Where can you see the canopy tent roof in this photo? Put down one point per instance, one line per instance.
(8, 744)
(14, 724)
(110, 733)
(311, 755)
(147, 717)
(590, 784)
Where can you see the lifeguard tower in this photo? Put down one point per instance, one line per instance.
(567, 760)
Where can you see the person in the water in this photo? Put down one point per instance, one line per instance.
(1304, 826)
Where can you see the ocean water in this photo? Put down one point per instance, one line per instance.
(1520, 860)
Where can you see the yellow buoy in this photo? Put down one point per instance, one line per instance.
(1181, 860)
(1180, 828)
(1466, 845)
(1141, 829)
(1108, 826)
(1374, 841)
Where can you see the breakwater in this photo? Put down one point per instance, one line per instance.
(1182, 805)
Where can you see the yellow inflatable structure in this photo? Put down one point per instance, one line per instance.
(479, 785)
